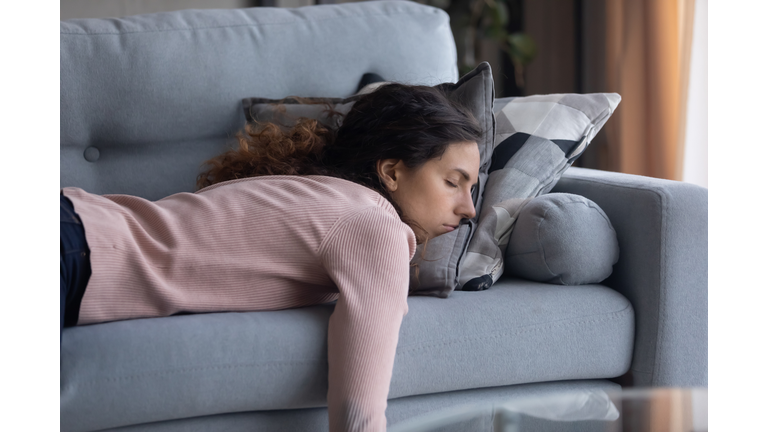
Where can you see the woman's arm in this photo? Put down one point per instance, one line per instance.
(368, 258)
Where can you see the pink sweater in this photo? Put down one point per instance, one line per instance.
(263, 243)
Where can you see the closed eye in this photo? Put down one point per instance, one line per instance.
(451, 184)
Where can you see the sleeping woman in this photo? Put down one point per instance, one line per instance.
(290, 218)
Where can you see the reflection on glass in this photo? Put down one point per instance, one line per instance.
(587, 410)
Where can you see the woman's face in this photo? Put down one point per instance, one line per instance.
(437, 195)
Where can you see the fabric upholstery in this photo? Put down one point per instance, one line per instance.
(564, 239)
(537, 138)
(149, 370)
(398, 411)
(145, 100)
(662, 227)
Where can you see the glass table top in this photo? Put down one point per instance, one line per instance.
(594, 410)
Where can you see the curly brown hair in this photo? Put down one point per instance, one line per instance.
(270, 149)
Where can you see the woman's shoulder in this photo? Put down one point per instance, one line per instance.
(321, 189)
(374, 227)
(353, 190)
(331, 194)
(321, 182)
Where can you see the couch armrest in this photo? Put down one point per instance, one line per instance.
(662, 270)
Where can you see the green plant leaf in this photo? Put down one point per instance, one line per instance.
(495, 18)
(465, 69)
(500, 13)
(495, 32)
(522, 48)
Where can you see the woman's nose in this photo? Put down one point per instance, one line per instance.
(466, 208)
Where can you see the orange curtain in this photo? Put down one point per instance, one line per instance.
(648, 45)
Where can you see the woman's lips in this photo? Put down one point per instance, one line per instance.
(449, 227)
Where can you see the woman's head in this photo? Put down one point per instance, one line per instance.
(434, 197)
(417, 148)
(412, 144)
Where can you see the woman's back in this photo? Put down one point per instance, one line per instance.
(260, 243)
(288, 231)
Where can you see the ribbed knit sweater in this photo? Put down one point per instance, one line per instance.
(262, 243)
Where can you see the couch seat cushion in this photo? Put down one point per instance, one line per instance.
(516, 332)
(147, 370)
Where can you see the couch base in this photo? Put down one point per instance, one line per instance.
(398, 410)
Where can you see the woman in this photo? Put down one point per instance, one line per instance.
(290, 218)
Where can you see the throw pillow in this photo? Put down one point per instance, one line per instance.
(562, 239)
(437, 265)
(537, 138)
(370, 82)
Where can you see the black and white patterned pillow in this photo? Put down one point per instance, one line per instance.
(537, 138)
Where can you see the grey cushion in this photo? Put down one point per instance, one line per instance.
(564, 239)
(154, 96)
(537, 138)
(438, 266)
(401, 412)
(149, 370)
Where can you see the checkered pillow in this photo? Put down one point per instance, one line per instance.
(536, 139)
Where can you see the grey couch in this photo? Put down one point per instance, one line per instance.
(146, 99)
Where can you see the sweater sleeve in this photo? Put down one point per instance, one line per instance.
(368, 258)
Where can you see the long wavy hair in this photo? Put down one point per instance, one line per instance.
(409, 123)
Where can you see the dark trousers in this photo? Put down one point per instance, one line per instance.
(75, 264)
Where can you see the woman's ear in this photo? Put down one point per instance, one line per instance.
(388, 170)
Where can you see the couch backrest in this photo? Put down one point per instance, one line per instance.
(146, 99)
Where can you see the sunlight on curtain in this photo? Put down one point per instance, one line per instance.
(648, 45)
(695, 160)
